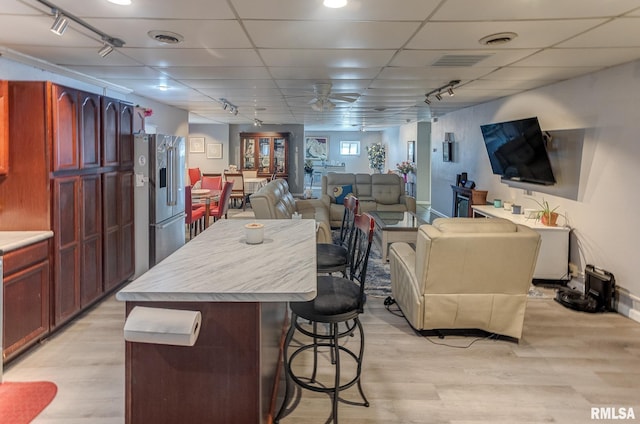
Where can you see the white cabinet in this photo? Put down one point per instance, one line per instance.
(553, 258)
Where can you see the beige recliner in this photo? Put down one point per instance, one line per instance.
(466, 273)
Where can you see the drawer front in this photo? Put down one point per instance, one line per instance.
(26, 256)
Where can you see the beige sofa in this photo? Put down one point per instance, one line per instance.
(382, 192)
(274, 201)
(466, 273)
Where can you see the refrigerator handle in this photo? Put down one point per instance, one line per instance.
(172, 192)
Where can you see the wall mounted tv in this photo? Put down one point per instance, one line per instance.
(517, 151)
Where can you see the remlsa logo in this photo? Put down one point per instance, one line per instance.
(611, 413)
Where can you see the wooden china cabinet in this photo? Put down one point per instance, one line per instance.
(267, 153)
(4, 128)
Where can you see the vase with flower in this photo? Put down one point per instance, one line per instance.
(405, 168)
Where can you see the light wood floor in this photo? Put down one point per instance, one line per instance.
(566, 363)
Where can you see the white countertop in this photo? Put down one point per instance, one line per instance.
(12, 240)
(492, 211)
(218, 266)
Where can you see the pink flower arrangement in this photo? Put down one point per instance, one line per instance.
(405, 167)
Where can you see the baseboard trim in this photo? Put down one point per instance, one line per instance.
(626, 304)
(439, 214)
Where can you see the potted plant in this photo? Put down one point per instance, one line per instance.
(308, 166)
(546, 214)
(404, 168)
(376, 153)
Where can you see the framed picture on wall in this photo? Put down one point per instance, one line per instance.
(196, 145)
(411, 151)
(316, 148)
(214, 150)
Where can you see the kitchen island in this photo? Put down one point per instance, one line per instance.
(230, 374)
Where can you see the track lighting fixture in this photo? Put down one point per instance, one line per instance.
(105, 50)
(257, 122)
(62, 18)
(226, 105)
(60, 24)
(437, 93)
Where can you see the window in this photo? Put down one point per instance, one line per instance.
(350, 148)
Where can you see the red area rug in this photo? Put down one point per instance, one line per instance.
(20, 403)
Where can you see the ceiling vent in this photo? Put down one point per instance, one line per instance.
(166, 37)
(460, 60)
(497, 39)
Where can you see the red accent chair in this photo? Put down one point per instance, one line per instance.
(194, 217)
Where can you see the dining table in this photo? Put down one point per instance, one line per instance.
(251, 185)
(206, 197)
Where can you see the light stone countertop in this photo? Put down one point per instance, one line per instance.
(12, 240)
(218, 266)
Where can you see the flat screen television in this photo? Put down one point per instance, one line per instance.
(517, 151)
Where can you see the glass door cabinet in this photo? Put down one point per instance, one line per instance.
(266, 153)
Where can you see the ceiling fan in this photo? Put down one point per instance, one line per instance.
(323, 99)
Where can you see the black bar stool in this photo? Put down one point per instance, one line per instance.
(334, 257)
(339, 301)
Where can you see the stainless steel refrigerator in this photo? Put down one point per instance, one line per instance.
(160, 174)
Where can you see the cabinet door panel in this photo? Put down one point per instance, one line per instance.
(66, 229)
(126, 251)
(89, 130)
(4, 127)
(91, 236)
(110, 130)
(126, 135)
(110, 188)
(26, 308)
(65, 128)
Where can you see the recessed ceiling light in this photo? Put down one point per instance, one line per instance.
(163, 87)
(120, 2)
(166, 37)
(499, 38)
(335, 4)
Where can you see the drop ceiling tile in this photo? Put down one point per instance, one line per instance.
(342, 85)
(444, 74)
(72, 56)
(541, 73)
(330, 35)
(331, 58)
(319, 74)
(483, 84)
(222, 83)
(466, 35)
(195, 57)
(220, 72)
(12, 33)
(622, 32)
(183, 9)
(582, 57)
(495, 58)
(120, 72)
(196, 33)
(371, 10)
(493, 10)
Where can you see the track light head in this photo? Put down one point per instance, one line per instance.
(450, 91)
(439, 96)
(59, 24)
(235, 111)
(105, 50)
(427, 101)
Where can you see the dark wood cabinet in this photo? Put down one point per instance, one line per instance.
(4, 127)
(64, 144)
(26, 298)
(266, 153)
(464, 198)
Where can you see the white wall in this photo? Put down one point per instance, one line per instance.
(604, 218)
(212, 134)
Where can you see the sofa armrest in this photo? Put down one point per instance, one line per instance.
(410, 202)
(323, 235)
(310, 204)
(326, 199)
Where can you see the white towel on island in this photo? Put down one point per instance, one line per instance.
(162, 326)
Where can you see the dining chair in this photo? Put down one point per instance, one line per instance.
(222, 207)
(194, 217)
(250, 174)
(334, 257)
(339, 301)
(194, 175)
(212, 183)
(238, 188)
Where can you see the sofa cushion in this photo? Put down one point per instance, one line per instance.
(340, 192)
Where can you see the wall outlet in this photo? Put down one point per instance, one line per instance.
(573, 269)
